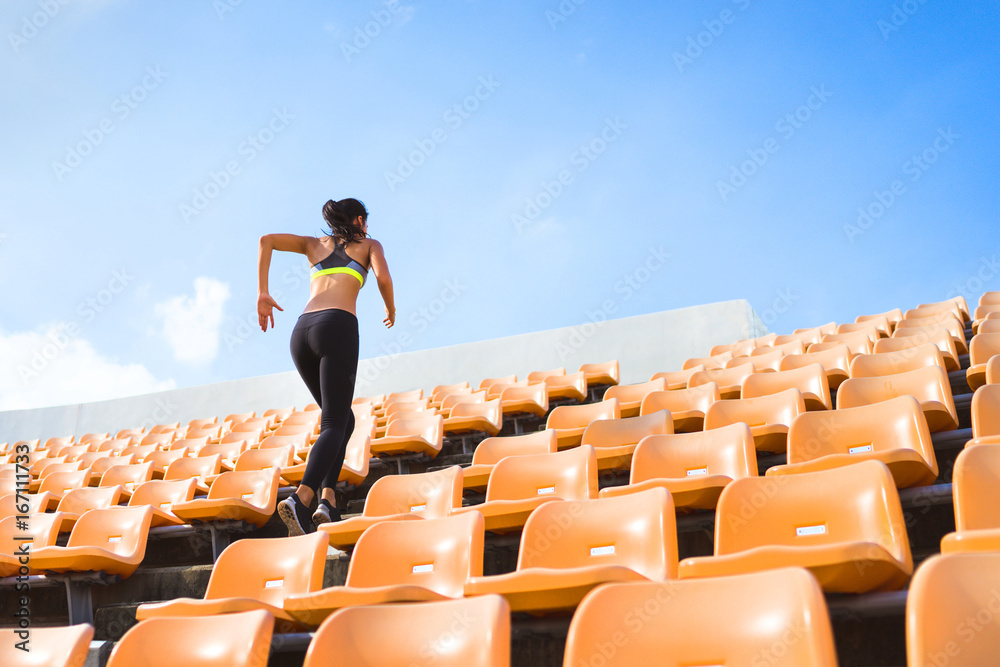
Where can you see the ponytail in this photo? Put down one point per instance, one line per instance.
(340, 216)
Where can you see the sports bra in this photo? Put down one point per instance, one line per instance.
(338, 261)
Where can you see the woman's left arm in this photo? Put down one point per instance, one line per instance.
(269, 243)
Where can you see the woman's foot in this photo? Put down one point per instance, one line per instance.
(295, 514)
(325, 513)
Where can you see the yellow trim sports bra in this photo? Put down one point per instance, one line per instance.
(338, 261)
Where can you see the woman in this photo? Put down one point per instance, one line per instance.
(324, 343)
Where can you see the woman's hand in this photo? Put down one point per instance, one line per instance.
(265, 312)
(390, 318)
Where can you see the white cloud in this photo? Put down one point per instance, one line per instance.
(191, 324)
(55, 366)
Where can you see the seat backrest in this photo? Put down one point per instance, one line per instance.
(65, 646)
(489, 409)
(491, 450)
(579, 416)
(857, 343)
(41, 530)
(687, 621)
(229, 451)
(727, 450)
(10, 505)
(113, 445)
(242, 639)
(918, 336)
(627, 430)
(891, 424)
(762, 360)
(637, 530)
(430, 427)
(634, 393)
(976, 489)
(121, 530)
(986, 411)
(265, 458)
(678, 379)
(60, 483)
(724, 377)
(78, 501)
(157, 439)
(269, 570)
(680, 400)
(191, 444)
(163, 494)
(607, 372)
(929, 383)
(449, 401)
(900, 361)
(791, 347)
(359, 452)
(983, 346)
(312, 417)
(539, 376)
(852, 503)
(952, 608)
(834, 358)
(892, 316)
(712, 362)
(468, 632)
(570, 474)
(430, 494)
(880, 322)
(195, 466)
(128, 476)
(810, 378)
(486, 383)
(438, 554)
(538, 393)
(257, 487)
(416, 405)
(770, 409)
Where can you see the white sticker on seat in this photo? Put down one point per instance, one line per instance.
(609, 550)
(114, 539)
(422, 569)
(418, 508)
(697, 471)
(130, 485)
(274, 583)
(247, 496)
(860, 449)
(546, 490)
(819, 529)
(165, 506)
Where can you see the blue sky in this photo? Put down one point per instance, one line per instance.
(523, 162)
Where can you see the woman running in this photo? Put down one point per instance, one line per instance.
(324, 343)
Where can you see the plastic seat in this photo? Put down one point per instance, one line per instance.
(976, 493)
(226, 640)
(729, 380)
(269, 458)
(65, 646)
(937, 335)
(161, 459)
(569, 547)
(402, 561)
(857, 343)
(228, 452)
(983, 347)
(491, 450)
(687, 406)
(441, 391)
(356, 459)
(630, 396)
(132, 435)
(835, 361)
(201, 468)
(993, 370)
(57, 443)
(677, 379)
(527, 399)
(890, 363)
(158, 439)
(162, 496)
(212, 433)
(955, 329)
(127, 476)
(539, 376)
(713, 362)
(791, 347)
(451, 400)
(520, 484)
(77, 501)
(114, 445)
(203, 422)
(810, 380)
(486, 417)
(745, 619)
(427, 495)
(983, 314)
(881, 324)
(891, 316)
(408, 395)
(417, 435)
(985, 412)
(237, 496)
(844, 524)
(761, 362)
(93, 438)
(869, 330)
(102, 464)
(570, 385)
(61, 483)
(604, 373)
(53, 468)
(486, 383)
(140, 451)
(616, 439)
(356, 635)
(951, 611)
(37, 502)
(768, 417)
(111, 540)
(253, 574)
(71, 452)
(693, 467)
(892, 431)
(929, 385)
(19, 537)
(570, 421)
(960, 311)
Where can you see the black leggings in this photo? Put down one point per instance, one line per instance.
(325, 351)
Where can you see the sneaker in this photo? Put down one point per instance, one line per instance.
(295, 514)
(325, 513)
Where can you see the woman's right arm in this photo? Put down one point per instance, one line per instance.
(381, 271)
(269, 243)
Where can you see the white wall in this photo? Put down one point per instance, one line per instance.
(643, 344)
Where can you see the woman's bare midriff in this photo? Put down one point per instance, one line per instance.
(333, 291)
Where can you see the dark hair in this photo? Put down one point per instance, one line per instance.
(340, 215)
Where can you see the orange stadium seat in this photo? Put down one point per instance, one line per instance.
(77, 501)
(916, 328)
(419, 496)
(892, 431)
(616, 439)
(835, 361)
(439, 392)
(768, 417)
(201, 468)
(730, 380)
(111, 540)
(93, 438)
(127, 476)
(162, 496)
(23, 537)
(414, 435)
(62, 468)
(791, 347)
(630, 396)
(892, 316)
(486, 383)
(236, 640)
(845, 525)
(194, 446)
(693, 467)
(569, 547)
(421, 632)
(939, 336)
(402, 561)
(869, 330)
(929, 385)
(61, 483)
(687, 406)
(984, 346)
(570, 421)
(678, 379)
(114, 445)
(570, 385)
(162, 459)
(856, 344)
(238, 496)
(881, 324)
(744, 619)
(761, 362)
(486, 417)
(952, 611)
(604, 373)
(976, 493)
(890, 363)
(491, 450)
(533, 399)
(253, 574)
(985, 415)
(356, 460)
(37, 502)
(539, 376)
(810, 380)
(714, 362)
(993, 370)
(65, 646)
(451, 400)
(520, 484)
